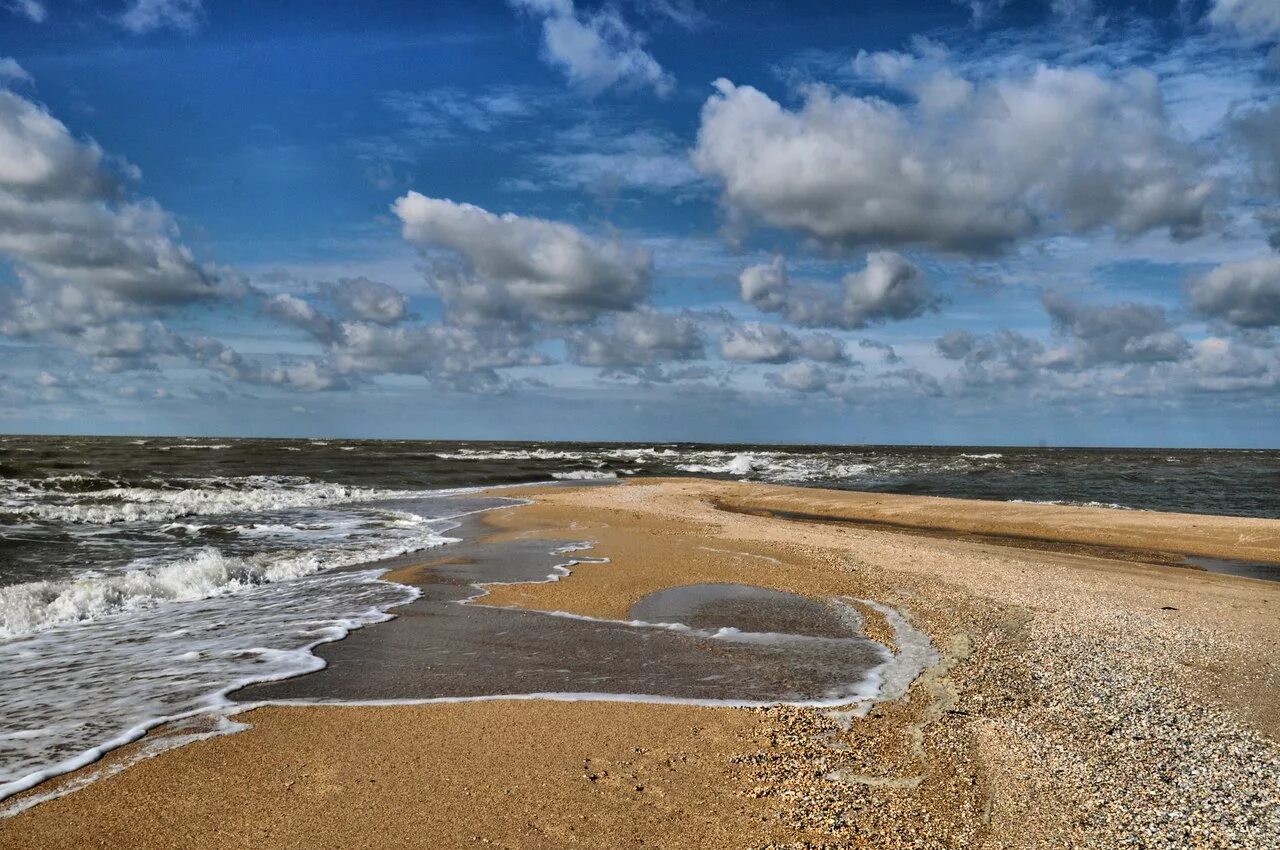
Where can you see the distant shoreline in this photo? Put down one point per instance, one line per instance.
(663, 441)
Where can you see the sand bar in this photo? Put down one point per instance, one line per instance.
(1077, 701)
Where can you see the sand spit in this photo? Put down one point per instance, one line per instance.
(1075, 701)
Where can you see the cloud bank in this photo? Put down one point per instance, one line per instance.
(521, 269)
(962, 167)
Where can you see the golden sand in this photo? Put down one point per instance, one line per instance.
(1072, 694)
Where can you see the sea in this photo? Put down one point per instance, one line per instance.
(142, 580)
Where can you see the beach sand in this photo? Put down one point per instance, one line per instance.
(1077, 700)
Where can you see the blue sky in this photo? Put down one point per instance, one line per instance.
(953, 222)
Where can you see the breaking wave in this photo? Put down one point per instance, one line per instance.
(35, 606)
(91, 500)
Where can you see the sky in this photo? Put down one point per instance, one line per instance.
(932, 221)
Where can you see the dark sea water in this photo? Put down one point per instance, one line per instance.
(145, 579)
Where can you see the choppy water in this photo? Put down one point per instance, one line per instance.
(142, 579)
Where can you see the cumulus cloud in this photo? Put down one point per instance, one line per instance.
(1254, 20)
(1006, 358)
(754, 342)
(955, 344)
(32, 10)
(94, 267)
(123, 346)
(823, 347)
(889, 288)
(307, 375)
(522, 269)
(1258, 131)
(1246, 294)
(292, 310)
(885, 349)
(595, 50)
(1116, 334)
(144, 16)
(643, 337)
(464, 358)
(766, 286)
(963, 167)
(1219, 365)
(758, 342)
(368, 300)
(807, 377)
(64, 220)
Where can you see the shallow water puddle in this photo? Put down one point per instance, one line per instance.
(714, 643)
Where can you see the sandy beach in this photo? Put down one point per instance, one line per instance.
(1088, 690)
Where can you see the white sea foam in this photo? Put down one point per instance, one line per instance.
(72, 692)
(94, 658)
(778, 465)
(865, 689)
(584, 475)
(209, 497)
(39, 605)
(916, 653)
(1072, 503)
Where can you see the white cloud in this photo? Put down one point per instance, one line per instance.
(1255, 20)
(1258, 131)
(965, 168)
(889, 288)
(64, 221)
(887, 351)
(368, 300)
(596, 50)
(522, 269)
(32, 10)
(292, 310)
(11, 71)
(1069, 11)
(1246, 294)
(683, 13)
(144, 16)
(758, 342)
(444, 113)
(93, 267)
(1221, 365)
(593, 158)
(447, 115)
(809, 378)
(307, 375)
(639, 338)
(462, 357)
(766, 286)
(1119, 333)
(1002, 359)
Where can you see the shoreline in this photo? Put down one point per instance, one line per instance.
(970, 749)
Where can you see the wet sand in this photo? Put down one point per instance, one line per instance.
(1076, 700)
